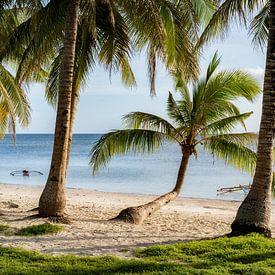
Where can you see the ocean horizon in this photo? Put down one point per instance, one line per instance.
(152, 174)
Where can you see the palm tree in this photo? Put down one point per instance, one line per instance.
(166, 28)
(206, 116)
(53, 200)
(255, 211)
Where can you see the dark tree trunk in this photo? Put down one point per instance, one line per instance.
(74, 102)
(138, 214)
(255, 211)
(53, 199)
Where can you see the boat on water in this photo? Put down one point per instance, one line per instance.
(244, 188)
(25, 173)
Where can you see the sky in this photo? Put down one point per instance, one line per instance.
(104, 101)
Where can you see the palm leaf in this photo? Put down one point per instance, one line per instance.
(225, 125)
(212, 66)
(258, 28)
(14, 96)
(228, 11)
(121, 142)
(140, 120)
(233, 150)
(174, 111)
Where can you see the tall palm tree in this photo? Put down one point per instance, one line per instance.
(53, 200)
(166, 28)
(255, 211)
(206, 116)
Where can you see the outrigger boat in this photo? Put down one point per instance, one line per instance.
(244, 188)
(25, 173)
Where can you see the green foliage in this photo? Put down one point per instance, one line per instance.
(13, 102)
(3, 227)
(229, 11)
(206, 115)
(39, 229)
(259, 27)
(252, 254)
(108, 33)
(121, 142)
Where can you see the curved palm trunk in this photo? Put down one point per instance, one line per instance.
(255, 211)
(53, 199)
(138, 214)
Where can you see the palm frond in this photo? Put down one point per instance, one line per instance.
(232, 149)
(140, 120)
(204, 10)
(228, 11)
(174, 111)
(224, 125)
(13, 103)
(13, 96)
(214, 63)
(258, 28)
(214, 100)
(121, 142)
(34, 42)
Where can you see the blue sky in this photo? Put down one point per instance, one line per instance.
(104, 102)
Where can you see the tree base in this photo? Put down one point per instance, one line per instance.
(132, 215)
(244, 229)
(55, 219)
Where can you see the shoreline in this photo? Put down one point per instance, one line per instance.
(124, 193)
(92, 233)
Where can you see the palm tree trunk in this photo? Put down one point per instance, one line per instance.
(53, 199)
(138, 214)
(255, 211)
(74, 102)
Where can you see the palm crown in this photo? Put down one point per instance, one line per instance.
(206, 115)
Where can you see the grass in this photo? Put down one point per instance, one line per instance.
(3, 227)
(39, 229)
(252, 254)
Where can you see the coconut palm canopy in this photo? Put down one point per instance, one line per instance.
(205, 115)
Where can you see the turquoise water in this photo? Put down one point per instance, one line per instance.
(142, 174)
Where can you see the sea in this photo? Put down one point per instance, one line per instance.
(131, 173)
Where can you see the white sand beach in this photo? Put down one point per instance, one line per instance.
(90, 232)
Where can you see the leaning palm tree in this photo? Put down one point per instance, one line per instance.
(254, 214)
(206, 116)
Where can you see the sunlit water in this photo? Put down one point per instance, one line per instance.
(141, 174)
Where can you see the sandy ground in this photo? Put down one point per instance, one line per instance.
(91, 233)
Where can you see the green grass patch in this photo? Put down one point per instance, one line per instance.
(252, 254)
(3, 227)
(39, 229)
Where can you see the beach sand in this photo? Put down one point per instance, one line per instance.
(90, 232)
